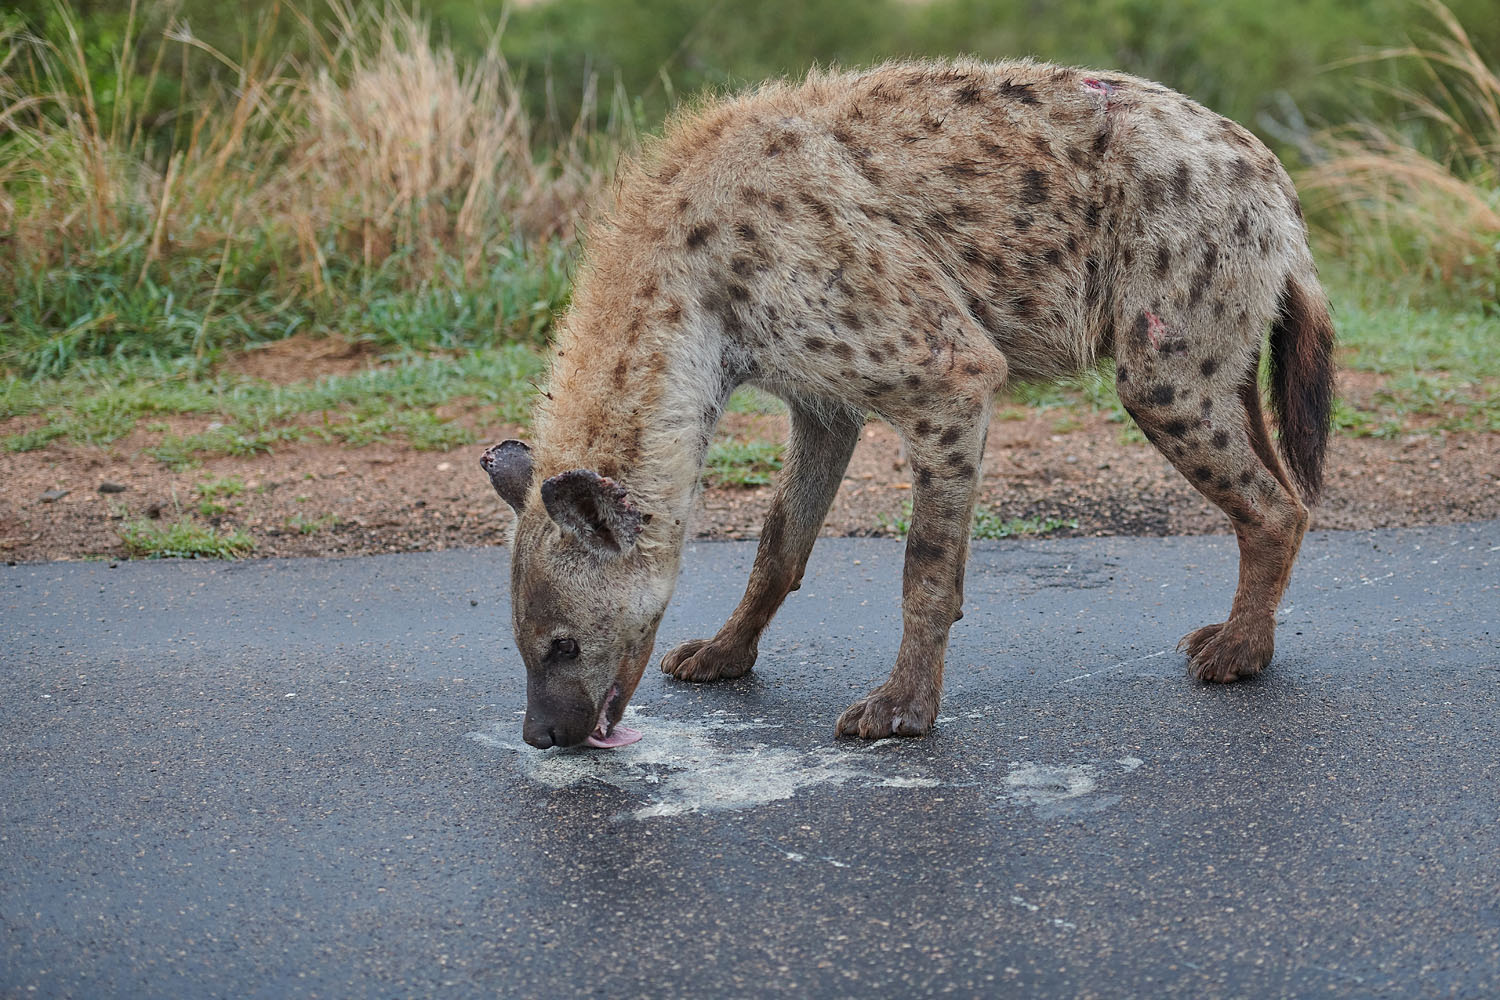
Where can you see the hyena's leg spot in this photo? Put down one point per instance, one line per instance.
(705, 660)
(1269, 528)
(1204, 415)
(945, 464)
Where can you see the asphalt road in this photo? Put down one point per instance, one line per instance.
(306, 778)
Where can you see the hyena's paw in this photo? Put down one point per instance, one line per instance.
(703, 660)
(1222, 653)
(887, 712)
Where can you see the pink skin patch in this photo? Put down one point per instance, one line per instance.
(1154, 328)
(1100, 87)
(620, 736)
(607, 737)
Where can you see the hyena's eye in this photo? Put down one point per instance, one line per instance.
(564, 649)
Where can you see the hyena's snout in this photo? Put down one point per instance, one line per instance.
(553, 721)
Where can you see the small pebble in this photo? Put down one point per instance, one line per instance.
(52, 496)
(109, 487)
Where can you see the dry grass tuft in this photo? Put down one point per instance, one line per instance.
(406, 148)
(1421, 197)
(380, 157)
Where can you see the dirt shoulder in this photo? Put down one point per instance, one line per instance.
(1067, 464)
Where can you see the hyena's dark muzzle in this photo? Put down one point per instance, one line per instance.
(556, 720)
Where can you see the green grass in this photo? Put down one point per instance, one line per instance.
(304, 525)
(183, 539)
(986, 526)
(1067, 424)
(1093, 391)
(424, 430)
(228, 486)
(154, 219)
(108, 316)
(1351, 421)
(742, 463)
(748, 399)
(1440, 364)
(1393, 337)
(1420, 402)
(99, 403)
(33, 439)
(989, 526)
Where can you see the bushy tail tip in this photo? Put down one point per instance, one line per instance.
(1302, 377)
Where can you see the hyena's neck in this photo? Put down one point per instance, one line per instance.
(639, 407)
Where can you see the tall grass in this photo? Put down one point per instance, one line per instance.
(376, 187)
(1417, 200)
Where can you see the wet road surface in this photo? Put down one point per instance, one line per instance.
(306, 778)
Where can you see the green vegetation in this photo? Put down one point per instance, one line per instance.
(228, 486)
(183, 539)
(1460, 338)
(1415, 402)
(255, 417)
(742, 463)
(748, 399)
(375, 187)
(1243, 58)
(304, 525)
(989, 526)
(1415, 199)
(986, 526)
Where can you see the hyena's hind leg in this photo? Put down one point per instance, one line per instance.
(822, 440)
(1197, 398)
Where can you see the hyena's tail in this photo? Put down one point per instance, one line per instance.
(1302, 380)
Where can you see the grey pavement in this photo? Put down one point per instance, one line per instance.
(306, 778)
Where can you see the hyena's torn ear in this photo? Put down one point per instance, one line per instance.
(594, 508)
(509, 466)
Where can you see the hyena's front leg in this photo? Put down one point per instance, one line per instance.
(817, 455)
(945, 464)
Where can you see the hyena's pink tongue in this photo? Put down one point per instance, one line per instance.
(620, 736)
(608, 737)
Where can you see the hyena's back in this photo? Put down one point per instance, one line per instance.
(1046, 208)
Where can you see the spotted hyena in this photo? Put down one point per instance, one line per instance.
(900, 242)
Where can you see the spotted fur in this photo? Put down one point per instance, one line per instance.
(900, 242)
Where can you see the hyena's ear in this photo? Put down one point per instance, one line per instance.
(594, 508)
(509, 466)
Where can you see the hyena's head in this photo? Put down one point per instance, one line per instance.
(585, 601)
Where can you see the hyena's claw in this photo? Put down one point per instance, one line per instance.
(703, 660)
(883, 713)
(1219, 654)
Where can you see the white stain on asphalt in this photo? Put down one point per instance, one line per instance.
(686, 767)
(719, 763)
(911, 783)
(1061, 790)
